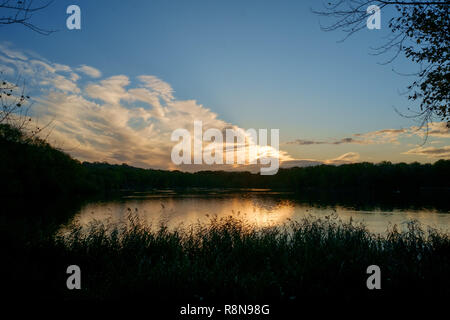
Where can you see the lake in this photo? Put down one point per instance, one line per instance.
(262, 207)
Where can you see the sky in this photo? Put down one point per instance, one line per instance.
(116, 89)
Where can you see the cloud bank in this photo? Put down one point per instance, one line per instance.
(119, 119)
(438, 130)
(115, 119)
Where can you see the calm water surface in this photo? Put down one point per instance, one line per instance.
(262, 207)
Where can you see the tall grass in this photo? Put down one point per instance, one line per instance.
(230, 259)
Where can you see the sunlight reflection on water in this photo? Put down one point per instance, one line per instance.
(261, 207)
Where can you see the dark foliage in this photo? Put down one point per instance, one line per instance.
(31, 167)
(231, 260)
(420, 31)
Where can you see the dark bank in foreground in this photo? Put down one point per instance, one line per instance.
(231, 260)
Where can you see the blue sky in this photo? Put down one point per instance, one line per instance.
(256, 64)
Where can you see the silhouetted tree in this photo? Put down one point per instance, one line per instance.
(421, 31)
(15, 107)
(21, 12)
(14, 104)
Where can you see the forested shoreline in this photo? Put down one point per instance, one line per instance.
(32, 167)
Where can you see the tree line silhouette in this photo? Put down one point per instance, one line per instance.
(32, 167)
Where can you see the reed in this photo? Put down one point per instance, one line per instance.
(231, 259)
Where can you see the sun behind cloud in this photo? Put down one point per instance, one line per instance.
(122, 120)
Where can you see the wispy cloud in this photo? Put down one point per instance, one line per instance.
(11, 53)
(434, 129)
(349, 157)
(302, 142)
(431, 152)
(116, 119)
(383, 136)
(89, 71)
